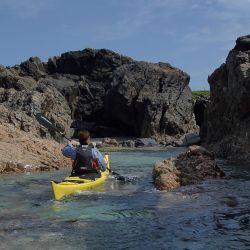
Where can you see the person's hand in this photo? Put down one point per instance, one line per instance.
(74, 143)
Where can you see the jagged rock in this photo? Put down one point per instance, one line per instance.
(91, 62)
(195, 165)
(145, 142)
(201, 103)
(192, 139)
(243, 43)
(25, 152)
(187, 140)
(33, 67)
(166, 175)
(110, 142)
(227, 126)
(22, 97)
(52, 64)
(110, 94)
(128, 143)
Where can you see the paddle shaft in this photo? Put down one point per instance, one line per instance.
(44, 121)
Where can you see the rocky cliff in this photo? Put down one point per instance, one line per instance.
(110, 94)
(227, 126)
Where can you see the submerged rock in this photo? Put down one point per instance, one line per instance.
(191, 167)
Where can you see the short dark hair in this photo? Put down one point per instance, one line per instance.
(83, 136)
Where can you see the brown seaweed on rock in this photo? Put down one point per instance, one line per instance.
(195, 165)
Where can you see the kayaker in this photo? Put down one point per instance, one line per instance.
(87, 158)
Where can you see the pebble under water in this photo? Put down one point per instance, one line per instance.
(214, 214)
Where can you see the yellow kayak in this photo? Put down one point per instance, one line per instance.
(72, 185)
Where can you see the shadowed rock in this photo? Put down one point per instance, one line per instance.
(201, 103)
(110, 94)
(227, 124)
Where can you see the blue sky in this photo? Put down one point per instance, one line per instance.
(194, 35)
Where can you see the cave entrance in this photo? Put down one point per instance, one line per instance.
(104, 129)
(199, 110)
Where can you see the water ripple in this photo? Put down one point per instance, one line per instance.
(214, 214)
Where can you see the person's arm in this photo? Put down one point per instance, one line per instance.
(69, 151)
(98, 156)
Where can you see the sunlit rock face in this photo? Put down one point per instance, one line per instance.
(191, 167)
(108, 93)
(227, 126)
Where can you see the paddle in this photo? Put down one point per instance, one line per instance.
(44, 121)
(119, 177)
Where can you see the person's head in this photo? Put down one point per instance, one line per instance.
(84, 137)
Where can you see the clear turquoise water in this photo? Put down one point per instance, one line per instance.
(212, 215)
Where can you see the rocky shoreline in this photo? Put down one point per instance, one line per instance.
(23, 152)
(107, 93)
(121, 142)
(89, 88)
(224, 121)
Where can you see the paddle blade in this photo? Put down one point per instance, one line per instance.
(44, 121)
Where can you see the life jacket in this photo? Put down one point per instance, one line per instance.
(84, 159)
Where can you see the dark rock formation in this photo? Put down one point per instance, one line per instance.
(110, 94)
(195, 165)
(227, 126)
(201, 103)
(243, 43)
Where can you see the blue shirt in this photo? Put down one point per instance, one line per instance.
(70, 152)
